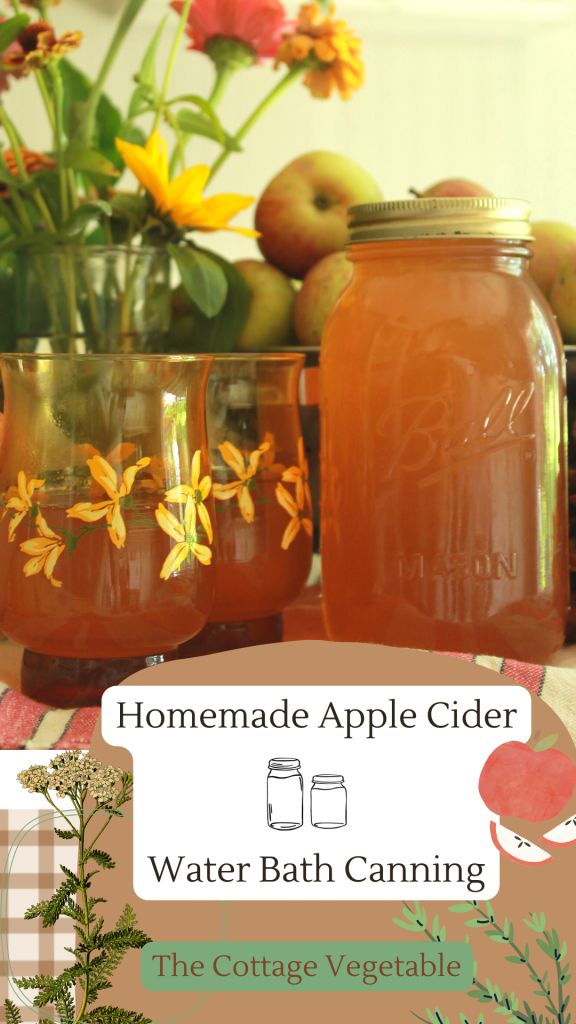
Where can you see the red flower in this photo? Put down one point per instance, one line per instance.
(259, 24)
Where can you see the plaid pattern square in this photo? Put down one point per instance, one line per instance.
(30, 858)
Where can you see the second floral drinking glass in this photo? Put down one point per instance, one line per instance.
(262, 499)
(106, 538)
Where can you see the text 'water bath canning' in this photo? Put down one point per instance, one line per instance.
(443, 436)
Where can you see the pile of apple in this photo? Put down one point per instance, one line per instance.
(302, 217)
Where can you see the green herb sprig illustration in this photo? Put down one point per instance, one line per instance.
(550, 985)
(96, 792)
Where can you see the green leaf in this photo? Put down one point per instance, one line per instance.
(103, 859)
(146, 76)
(11, 28)
(219, 333)
(86, 214)
(65, 833)
(406, 925)
(130, 132)
(107, 122)
(80, 158)
(460, 908)
(546, 742)
(112, 1015)
(12, 1013)
(142, 101)
(197, 124)
(129, 206)
(202, 277)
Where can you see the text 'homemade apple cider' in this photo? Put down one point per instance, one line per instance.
(443, 448)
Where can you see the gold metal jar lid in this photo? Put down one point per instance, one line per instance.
(484, 217)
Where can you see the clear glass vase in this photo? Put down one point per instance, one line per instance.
(106, 524)
(91, 299)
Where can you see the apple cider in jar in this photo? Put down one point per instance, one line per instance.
(443, 436)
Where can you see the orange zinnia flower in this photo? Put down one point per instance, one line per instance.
(45, 550)
(33, 162)
(255, 24)
(328, 48)
(116, 489)
(38, 45)
(295, 509)
(245, 469)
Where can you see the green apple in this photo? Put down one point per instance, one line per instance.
(303, 213)
(553, 244)
(269, 321)
(453, 188)
(320, 291)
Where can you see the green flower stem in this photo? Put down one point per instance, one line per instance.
(37, 196)
(224, 73)
(291, 75)
(171, 62)
(85, 908)
(46, 99)
(59, 140)
(129, 15)
(61, 813)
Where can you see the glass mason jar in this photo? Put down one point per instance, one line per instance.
(106, 530)
(285, 794)
(262, 498)
(92, 299)
(328, 801)
(443, 436)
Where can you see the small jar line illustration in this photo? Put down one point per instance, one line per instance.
(285, 797)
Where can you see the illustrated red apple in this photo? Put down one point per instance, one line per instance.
(303, 213)
(553, 244)
(269, 320)
(518, 781)
(453, 187)
(320, 291)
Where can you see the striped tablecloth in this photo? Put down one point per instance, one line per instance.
(26, 725)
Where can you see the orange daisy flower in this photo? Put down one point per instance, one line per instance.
(38, 45)
(296, 510)
(328, 48)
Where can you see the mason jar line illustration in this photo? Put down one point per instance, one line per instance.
(328, 801)
(285, 794)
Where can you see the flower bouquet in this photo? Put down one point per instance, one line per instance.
(85, 261)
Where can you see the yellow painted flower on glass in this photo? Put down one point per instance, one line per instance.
(45, 550)
(296, 510)
(299, 475)
(186, 537)
(21, 502)
(245, 467)
(117, 488)
(182, 199)
(198, 490)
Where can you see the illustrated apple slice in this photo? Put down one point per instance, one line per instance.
(516, 847)
(563, 834)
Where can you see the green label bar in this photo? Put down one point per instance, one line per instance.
(306, 966)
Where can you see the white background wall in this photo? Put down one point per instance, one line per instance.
(484, 89)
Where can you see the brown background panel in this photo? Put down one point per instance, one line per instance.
(547, 887)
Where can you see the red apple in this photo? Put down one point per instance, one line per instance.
(453, 187)
(303, 213)
(516, 847)
(269, 320)
(321, 289)
(519, 782)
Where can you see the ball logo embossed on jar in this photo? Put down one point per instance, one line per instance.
(444, 519)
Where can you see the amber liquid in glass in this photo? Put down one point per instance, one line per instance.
(112, 603)
(444, 524)
(254, 576)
